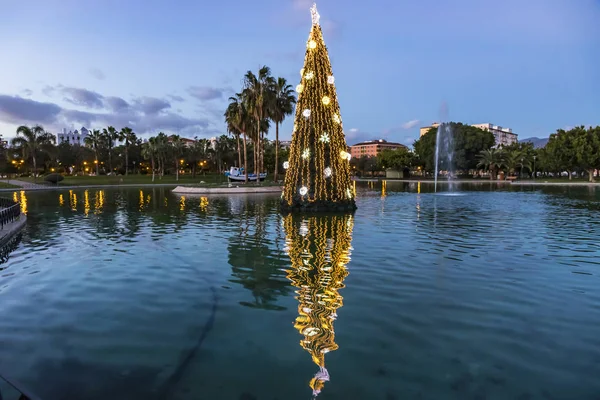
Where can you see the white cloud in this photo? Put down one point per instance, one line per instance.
(411, 124)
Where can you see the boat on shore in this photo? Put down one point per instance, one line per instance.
(236, 174)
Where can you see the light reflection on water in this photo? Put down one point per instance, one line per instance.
(492, 294)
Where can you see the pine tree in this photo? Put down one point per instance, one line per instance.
(318, 169)
(319, 249)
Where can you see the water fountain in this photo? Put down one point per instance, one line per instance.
(444, 146)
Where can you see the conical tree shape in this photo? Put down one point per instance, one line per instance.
(319, 249)
(318, 169)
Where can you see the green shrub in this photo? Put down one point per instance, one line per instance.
(54, 178)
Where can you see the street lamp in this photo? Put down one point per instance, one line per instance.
(534, 157)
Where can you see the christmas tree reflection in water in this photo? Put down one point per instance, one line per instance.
(319, 248)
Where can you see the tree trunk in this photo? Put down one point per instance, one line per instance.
(126, 159)
(239, 151)
(34, 168)
(245, 161)
(177, 170)
(109, 159)
(591, 173)
(153, 169)
(97, 163)
(570, 174)
(276, 151)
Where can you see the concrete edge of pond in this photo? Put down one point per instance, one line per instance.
(227, 190)
(11, 229)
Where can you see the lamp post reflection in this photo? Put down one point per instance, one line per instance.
(319, 248)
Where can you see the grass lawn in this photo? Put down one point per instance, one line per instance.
(84, 180)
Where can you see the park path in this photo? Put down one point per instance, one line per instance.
(25, 185)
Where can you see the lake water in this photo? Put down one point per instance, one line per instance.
(488, 293)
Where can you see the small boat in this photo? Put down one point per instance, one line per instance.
(236, 174)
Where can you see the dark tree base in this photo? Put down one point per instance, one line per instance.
(318, 206)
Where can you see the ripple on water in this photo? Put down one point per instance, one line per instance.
(484, 295)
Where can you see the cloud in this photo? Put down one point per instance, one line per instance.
(48, 90)
(151, 105)
(17, 110)
(83, 97)
(147, 114)
(206, 93)
(175, 97)
(355, 135)
(115, 104)
(411, 124)
(27, 92)
(96, 73)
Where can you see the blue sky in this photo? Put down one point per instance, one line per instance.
(532, 65)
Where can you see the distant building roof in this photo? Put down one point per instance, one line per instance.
(380, 141)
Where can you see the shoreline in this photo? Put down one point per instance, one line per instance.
(515, 183)
(227, 190)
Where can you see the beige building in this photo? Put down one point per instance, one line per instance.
(426, 129)
(371, 148)
(502, 136)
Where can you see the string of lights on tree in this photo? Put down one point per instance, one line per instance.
(318, 169)
(319, 248)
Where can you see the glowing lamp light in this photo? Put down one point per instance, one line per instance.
(303, 190)
(326, 100)
(299, 88)
(286, 165)
(306, 113)
(327, 172)
(345, 155)
(309, 75)
(312, 44)
(348, 193)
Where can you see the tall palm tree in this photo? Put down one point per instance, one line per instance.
(150, 152)
(163, 148)
(282, 105)
(32, 141)
(238, 118)
(128, 136)
(110, 135)
(94, 140)
(256, 93)
(178, 147)
(491, 160)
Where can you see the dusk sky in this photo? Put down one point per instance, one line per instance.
(531, 65)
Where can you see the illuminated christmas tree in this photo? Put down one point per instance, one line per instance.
(318, 169)
(319, 249)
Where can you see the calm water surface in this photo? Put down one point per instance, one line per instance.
(143, 294)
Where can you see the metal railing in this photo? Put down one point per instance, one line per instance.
(9, 211)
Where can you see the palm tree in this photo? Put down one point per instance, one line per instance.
(282, 105)
(256, 93)
(178, 149)
(238, 119)
(110, 135)
(149, 152)
(162, 149)
(128, 136)
(94, 140)
(491, 160)
(32, 141)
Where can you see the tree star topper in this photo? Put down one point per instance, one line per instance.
(314, 14)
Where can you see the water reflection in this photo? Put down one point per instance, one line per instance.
(256, 261)
(319, 248)
(21, 198)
